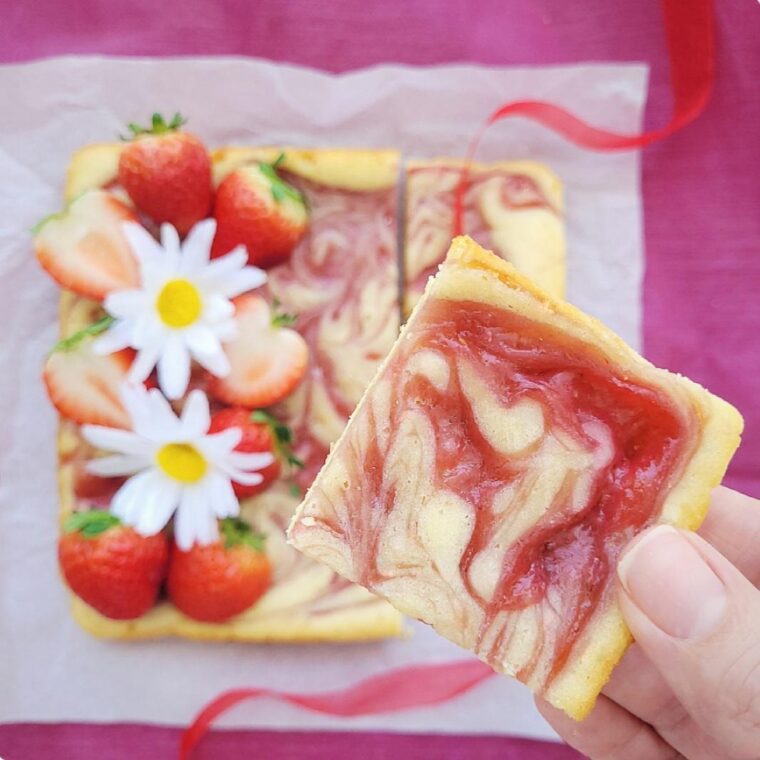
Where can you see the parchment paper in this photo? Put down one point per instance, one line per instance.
(50, 670)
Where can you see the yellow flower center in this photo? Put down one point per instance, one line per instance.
(182, 462)
(179, 303)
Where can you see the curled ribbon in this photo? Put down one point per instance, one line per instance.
(395, 690)
(690, 32)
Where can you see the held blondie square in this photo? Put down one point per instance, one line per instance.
(505, 453)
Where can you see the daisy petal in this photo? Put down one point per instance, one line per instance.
(244, 478)
(248, 278)
(219, 271)
(128, 500)
(227, 264)
(114, 339)
(146, 422)
(147, 331)
(143, 364)
(124, 304)
(207, 350)
(249, 461)
(158, 507)
(209, 531)
(197, 246)
(121, 464)
(194, 521)
(227, 330)
(111, 439)
(152, 417)
(217, 364)
(217, 308)
(196, 417)
(221, 497)
(201, 339)
(142, 243)
(162, 416)
(174, 367)
(218, 445)
(170, 238)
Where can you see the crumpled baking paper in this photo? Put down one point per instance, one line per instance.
(50, 670)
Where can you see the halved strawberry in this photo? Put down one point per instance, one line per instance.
(84, 387)
(255, 208)
(268, 361)
(84, 249)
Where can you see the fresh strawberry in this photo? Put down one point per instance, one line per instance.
(110, 566)
(261, 433)
(255, 208)
(83, 386)
(167, 173)
(267, 360)
(213, 583)
(83, 248)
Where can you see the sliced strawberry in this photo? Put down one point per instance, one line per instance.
(267, 361)
(84, 387)
(84, 249)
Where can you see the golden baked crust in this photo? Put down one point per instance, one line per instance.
(471, 274)
(343, 168)
(303, 604)
(515, 208)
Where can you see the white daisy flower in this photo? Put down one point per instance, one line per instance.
(175, 466)
(182, 309)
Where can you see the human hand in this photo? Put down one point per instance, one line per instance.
(690, 685)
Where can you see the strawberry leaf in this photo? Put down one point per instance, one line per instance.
(280, 189)
(158, 126)
(237, 532)
(45, 219)
(282, 318)
(90, 524)
(295, 461)
(73, 341)
(282, 435)
(294, 490)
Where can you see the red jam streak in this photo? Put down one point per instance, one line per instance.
(569, 550)
(350, 245)
(518, 192)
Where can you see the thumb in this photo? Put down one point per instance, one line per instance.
(698, 620)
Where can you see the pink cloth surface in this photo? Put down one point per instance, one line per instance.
(71, 741)
(701, 211)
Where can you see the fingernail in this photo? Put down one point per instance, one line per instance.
(671, 584)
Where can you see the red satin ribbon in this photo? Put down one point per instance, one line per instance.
(691, 44)
(401, 689)
(690, 33)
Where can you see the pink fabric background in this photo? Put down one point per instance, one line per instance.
(702, 223)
